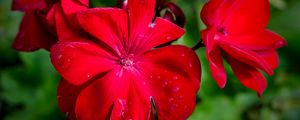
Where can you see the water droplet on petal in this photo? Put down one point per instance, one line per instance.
(122, 114)
(180, 97)
(88, 75)
(171, 99)
(185, 109)
(190, 64)
(216, 37)
(175, 89)
(151, 25)
(280, 44)
(182, 55)
(175, 77)
(60, 56)
(165, 83)
(169, 38)
(141, 36)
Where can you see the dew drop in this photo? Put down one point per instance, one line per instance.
(158, 77)
(280, 44)
(141, 35)
(122, 114)
(182, 55)
(216, 37)
(88, 75)
(165, 83)
(151, 25)
(190, 65)
(168, 38)
(180, 97)
(175, 77)
(60, 56)
(185, 109)
(71, 46)
(171, 99)
(175, 89)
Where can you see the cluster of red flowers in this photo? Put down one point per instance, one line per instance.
(117, 63)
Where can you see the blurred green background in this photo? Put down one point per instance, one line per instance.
(28, 81)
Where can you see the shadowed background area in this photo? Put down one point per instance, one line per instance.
(28, 81)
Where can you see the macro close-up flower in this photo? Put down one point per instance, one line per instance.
(146, 60)
(236, 30)
(116, 72)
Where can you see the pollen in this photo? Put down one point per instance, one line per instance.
(126, 62)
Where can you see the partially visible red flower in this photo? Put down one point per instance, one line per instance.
(117, 73)
(236, 30)
(38, 28)
(33, 32)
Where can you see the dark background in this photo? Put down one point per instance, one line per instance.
(28, 81)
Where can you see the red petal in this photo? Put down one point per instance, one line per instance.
(160, 32)
(85, 2)
(141, 13)
(247, 16)
(245, 55)
(262, 41)
(26, 5)
(33, 34)
(50, 19)
(237, 16)
(71, 8)
(67, 94)
(215, 60)
(125, 93)
(96, 100)
(65, 31)
(213, 12)
(78, 62)
(270, 56)
(109, 25)
(248, 75)
(176, 71)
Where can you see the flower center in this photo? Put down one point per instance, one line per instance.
(126, 61)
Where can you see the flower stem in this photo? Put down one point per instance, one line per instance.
(198, 45)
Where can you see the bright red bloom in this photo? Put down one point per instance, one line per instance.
(117, 74)
(236, 30)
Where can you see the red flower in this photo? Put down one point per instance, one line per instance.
(236, 30)
(34, 31)
(118, 74)
(37, 29)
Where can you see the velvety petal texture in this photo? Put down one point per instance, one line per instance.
(116, 72)
(25, 5)
(35, 31)
(33, 34)
(237, 29)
